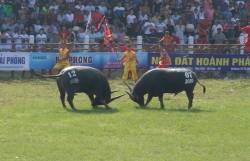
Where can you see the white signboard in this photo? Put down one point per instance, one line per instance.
(14, 61)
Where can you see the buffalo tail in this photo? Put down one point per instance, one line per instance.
(204, 88)
(47, 76)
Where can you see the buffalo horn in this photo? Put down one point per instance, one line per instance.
(128, 87)
(112, 99)
(113, 92)
(131, 96)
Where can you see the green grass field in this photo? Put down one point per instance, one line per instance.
(35, 126)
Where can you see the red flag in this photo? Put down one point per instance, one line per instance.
(108, 36)
(100, 24)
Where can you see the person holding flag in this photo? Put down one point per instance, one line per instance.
(165, 59)
(130, 62)
(247, 40)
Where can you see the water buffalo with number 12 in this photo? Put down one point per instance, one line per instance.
(158, 81)
(83, 79)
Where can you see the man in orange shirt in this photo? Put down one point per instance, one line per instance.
(167, 40)
(165, 60)
(63, 61)
(96, 16)
(64, 35)
(203, 28)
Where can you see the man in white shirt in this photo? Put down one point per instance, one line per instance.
(130, 17)
(31, 5)
(196, 6)
(102, 8)
(160, 27)
(175, 17)
(101, 33)
(234, 19)
(61, 16)
(118, 10)
(54, 6)
(169, 19)
(70, 16)
(92, 36)
(143, 16)
(148, 25)
(79, 6)
(37, 26)
(201, 14)
(215, 27)
(90, 7)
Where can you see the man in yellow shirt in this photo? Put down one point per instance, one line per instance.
(63, 61)
(130, 62)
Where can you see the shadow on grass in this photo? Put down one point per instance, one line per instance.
(97, 110)
(192, 110)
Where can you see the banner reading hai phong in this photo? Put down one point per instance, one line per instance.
(14, 61)
(204, 62)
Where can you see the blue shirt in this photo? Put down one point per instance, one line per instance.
(223, 6)
(229, 13)
(193, 21)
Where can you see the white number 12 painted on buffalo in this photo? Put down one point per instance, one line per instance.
(73, 73)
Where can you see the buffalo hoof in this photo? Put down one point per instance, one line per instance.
(188, 108)
(73, 108)
(162, 107)
(108, 108)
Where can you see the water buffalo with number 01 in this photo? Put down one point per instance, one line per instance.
(158, 81)
(82, 79)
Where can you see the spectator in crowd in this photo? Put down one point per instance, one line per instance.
(92, 35)
(143, 16)
(219, 37)
(79, 6)
(18, 37)
(41, 38)
(160, 27)
(152, 38)
(31, 31)
(64, 35)
(217, 13)
(54, 8)
(96, 16)
(49, 34)
(203, 28)
(130, 21)
(237, 29)
(135, 27)
(228, 13)
(90, 7)
(121, 34)
(25, 39)
(149, 24)
(215, 27)
(225, 28)
(118, 10)
(37, 26)
(102, 8)
(8, 45)
(179, 30)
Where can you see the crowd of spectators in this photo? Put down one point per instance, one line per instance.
(150, 18)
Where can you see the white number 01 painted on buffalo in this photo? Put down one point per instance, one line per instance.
(72, 73)
(189, 79)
